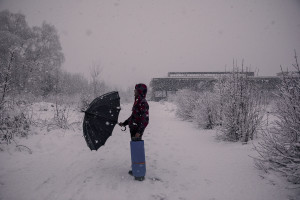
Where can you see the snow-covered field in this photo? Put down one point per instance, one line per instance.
(183, 162)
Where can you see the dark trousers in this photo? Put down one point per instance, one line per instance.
(132, 133)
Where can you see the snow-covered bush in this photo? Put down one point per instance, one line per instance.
(280, 145)
(15, 120)
(60, 115)
(207, 110)
(186, 102)
(85, 100)
(241, 107)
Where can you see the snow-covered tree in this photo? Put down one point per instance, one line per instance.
(37, 54)
(47, 58)
(241, 107)
(280, 145)
(30, 61)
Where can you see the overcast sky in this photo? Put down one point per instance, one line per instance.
(136, 40)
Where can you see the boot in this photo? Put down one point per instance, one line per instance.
(139, 178)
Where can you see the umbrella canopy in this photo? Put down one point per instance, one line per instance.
(100, 119)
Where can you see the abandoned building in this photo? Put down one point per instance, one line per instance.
(161, 88)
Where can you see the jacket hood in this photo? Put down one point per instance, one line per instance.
(141, 89)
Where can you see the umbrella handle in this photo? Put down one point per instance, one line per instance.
(124, 129)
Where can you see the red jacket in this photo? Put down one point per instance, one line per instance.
(139, 118)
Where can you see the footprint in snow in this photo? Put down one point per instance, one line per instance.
(159, 196)
(155, 179)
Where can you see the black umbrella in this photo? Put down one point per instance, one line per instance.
(100, 119)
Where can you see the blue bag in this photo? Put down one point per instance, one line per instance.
(138, 158)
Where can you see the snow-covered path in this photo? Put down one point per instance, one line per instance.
(183, 162)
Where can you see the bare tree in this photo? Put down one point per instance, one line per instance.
(95, 72)
(5, 79)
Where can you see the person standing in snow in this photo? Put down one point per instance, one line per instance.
(139, 117)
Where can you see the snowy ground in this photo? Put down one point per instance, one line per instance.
(183, 162)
